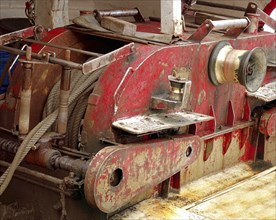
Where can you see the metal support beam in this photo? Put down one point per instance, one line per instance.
(64, 96)
(26, 93)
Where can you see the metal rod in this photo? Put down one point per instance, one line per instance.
(233, 23)
(62, 47)
(62, 119)
(41, 57)
(228, 130)
(218, 5)
(213, 13)
(117, 13)
(39, 175)
(26, 93)
(10, 131)
(263, 16)
(15, 60)
(49, 158)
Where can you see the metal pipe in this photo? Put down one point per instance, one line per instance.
(42, 57)
(39, 175)
(26, 93)
(117, 13)
(233, 23)
(48, 158)
(218, 5)
(254, 22)
(62, 119)
(62, 47)
(120, 13)
(77, 166)
(15, 60)
(263, 16)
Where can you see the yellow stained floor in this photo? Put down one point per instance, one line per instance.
(244, 191)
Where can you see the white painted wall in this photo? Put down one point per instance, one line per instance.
(15, 8)
(12, 8)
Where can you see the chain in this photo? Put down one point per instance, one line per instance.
(30, 11)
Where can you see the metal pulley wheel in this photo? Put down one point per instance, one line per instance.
(247, 67)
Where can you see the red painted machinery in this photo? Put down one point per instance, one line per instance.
(95, 121)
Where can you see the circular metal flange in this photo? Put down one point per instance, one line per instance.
(212, 62)
(247, 67)
(253, 69)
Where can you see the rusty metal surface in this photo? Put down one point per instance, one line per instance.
(116, 175)
(65, 81)
(158, 122)
(50, 158)
(13, 36)
(41, 57)
(270, 150)
(44, 75)
(26, 92)
(268, 122)
(125, 90)
(61, 47)
(41, 176)
(148, 75)
(267, 19)
(107, 59)
(265, 93)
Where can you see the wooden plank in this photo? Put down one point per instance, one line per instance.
(118, 25)
(171, 17)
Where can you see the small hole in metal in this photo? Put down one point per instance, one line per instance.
(189, 151)
(116, 177)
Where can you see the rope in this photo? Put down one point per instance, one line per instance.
(36, 133)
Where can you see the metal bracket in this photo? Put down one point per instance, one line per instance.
(108, 58)
(123, 172)
(13, 36)
(233, 27)
(144, 124)
(178, 97)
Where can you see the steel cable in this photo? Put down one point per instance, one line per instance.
(76, 110)
(36, 133)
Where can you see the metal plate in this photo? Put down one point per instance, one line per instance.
(143, 124)
(266, 93)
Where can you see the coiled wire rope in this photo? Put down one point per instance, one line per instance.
(82, 85)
